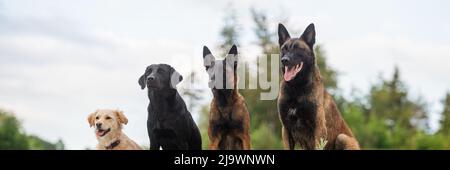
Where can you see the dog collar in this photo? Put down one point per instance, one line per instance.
(113, 145)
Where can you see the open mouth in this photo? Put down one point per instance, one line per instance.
(101, 132)
(291, 71)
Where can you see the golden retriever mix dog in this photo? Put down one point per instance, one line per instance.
(108, 130)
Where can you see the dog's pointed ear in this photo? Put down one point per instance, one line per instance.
(233, 50)
(232, 57)
(175, 78)
(208, 58)
(309, 35)
(91, 119)
(122, 118)
(283, 34)
(206, 51)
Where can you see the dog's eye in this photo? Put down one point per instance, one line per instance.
(96, 118)
(107, 118)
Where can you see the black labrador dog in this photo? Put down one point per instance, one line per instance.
(169, 124)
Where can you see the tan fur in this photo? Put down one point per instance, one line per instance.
(239, 111)
(117, 119)
(344, 142)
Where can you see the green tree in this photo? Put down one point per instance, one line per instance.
(445, 120)
(203, 125)
(192, 94)
(440, 140)
(265, 124)
(36, 143)
(230, 30)
(389, 119)
(13, 137)
(390, 101)
(264, 38)
(59, 145)
(329, 74)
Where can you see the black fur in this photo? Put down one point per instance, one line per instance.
(297, 110)
(169, 124)
(305, 110)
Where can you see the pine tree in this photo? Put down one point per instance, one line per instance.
(230, 31)
(397, 117)
(445, 120)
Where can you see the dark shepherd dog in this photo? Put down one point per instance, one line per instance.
(308, 113)
(229, 120)
(170, 124)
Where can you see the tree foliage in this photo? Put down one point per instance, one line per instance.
(12, 136)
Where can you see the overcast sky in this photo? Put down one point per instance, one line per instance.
(61, 60)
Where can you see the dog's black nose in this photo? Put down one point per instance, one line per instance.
(151, 78)
(98, 125)
(285, 60)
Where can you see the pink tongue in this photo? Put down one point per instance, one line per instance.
(289, 74)
(98, 133)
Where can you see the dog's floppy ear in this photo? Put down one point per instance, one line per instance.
(283, 34)
(309, 35)
(232, 57)
(143, 80)
(122, 118)
(91, 119)
(175, 77)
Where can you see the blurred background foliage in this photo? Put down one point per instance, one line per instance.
(385, 118)
(13, 137)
